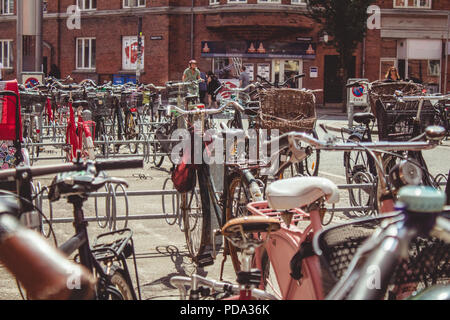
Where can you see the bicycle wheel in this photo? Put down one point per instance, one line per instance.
(269, 280)
(356, 165)
(238, 198)
(122, 289)
(156, 150)
(195, 208)
(308, 167)
(131, 132)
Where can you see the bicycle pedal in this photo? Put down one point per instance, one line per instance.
(205, 260)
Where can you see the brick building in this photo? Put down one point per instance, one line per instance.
(271, 38)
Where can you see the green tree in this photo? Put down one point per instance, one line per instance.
(345, 22)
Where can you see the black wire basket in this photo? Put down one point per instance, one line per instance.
(428, 262)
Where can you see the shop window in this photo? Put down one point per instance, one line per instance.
(269, 1)
(213, 2)
(298, 1)
(424, 4)
(237, 1)
(226, 68)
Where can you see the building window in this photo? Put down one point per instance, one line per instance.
(237, 1)
(212, 2)
(6, 53)
(7, 7)
(269, 1)
(87, 4)
(133, 3)
(298, 1)
(85, 53)
(425, 4)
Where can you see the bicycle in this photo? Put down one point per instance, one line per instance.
(107, 261)
(290, 268)
(238, 231)
(197, 207)
(407, 249)
(43, 270)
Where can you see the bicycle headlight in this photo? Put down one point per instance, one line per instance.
(405, 173)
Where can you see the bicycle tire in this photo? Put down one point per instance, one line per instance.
(234, 210)
(155, 148)
(131, 133)
(357, 172)
(197, 224)
(118, 281)
(308, 167)
(269, 281)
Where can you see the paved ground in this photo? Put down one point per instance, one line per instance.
(161, 250)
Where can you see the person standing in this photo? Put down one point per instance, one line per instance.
(203, 88)
(213, 85)
(244, 78)
(192, 73)
(392, 74)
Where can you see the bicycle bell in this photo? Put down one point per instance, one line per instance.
(405, 173)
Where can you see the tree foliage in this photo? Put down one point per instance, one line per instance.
(345, 21)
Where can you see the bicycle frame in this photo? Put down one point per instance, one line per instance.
(286, 243)
(80, 242)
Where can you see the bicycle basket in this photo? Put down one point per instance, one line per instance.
(287, 110)
(385, 90)
(32, 102)
(427, 264)
(396, 121)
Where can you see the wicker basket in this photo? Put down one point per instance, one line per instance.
(384, 91)
(287, 110)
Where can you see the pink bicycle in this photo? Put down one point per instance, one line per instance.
(290, 268)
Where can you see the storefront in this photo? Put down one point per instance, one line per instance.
(274, 61)
(420, 60)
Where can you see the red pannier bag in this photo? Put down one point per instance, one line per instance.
(183, 177)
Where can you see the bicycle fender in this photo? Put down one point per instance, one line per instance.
(306, 250)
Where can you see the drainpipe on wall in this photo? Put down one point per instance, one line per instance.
(192, 30)
(446, 54)
(363, 58)
(19, 41)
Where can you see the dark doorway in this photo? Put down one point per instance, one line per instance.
(332, 85)
(44, 65)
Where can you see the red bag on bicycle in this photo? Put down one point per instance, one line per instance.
(183, 177)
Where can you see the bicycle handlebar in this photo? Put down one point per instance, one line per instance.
(351, 146)
(45, 272)
(103, 165)
(233, 104)
(152, 86)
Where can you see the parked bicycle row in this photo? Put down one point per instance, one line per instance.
(267, 205)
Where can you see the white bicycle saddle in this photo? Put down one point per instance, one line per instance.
(298, 192)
